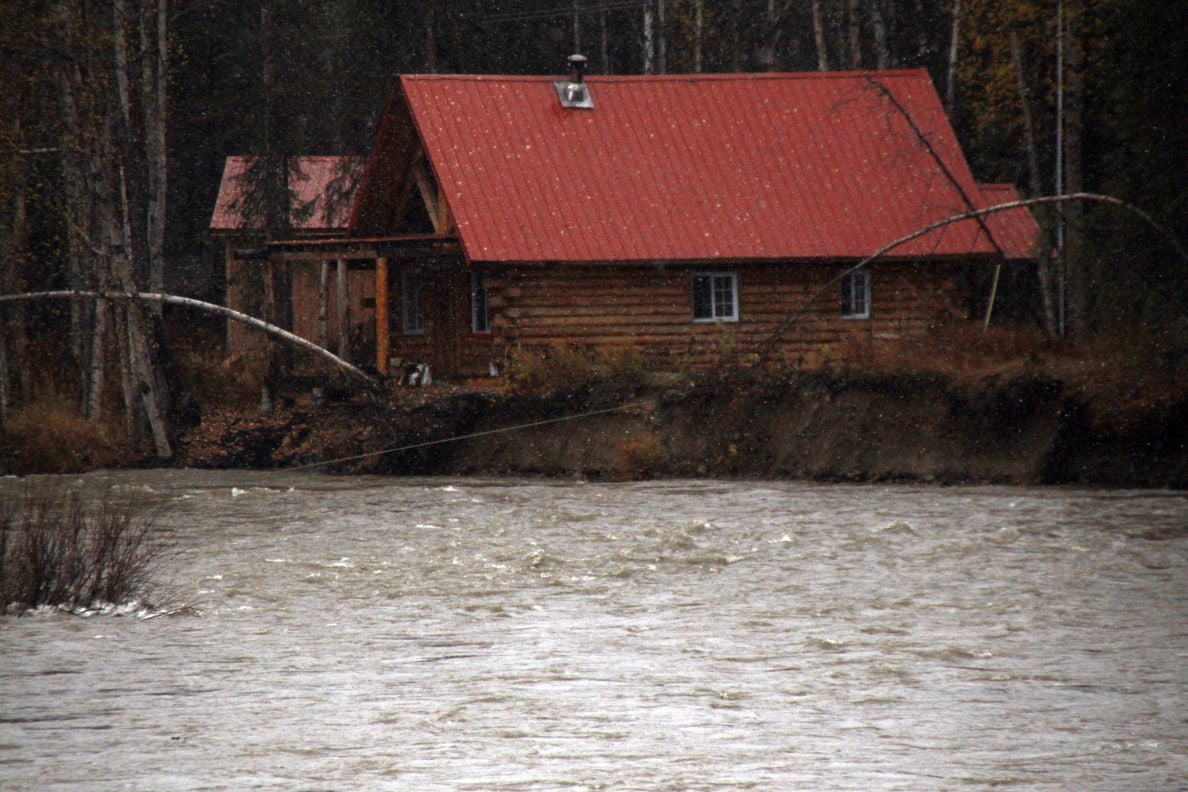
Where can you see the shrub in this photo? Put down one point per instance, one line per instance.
(50, 436)
(565, 368)
(638, 459)
(57, 552)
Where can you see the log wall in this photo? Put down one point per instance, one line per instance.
(649, 309)
(447, 343)
(645, 309)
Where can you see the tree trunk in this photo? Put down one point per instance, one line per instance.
(736, 37)
(132, 229)
(1079, 277)
(879, 25)
(12, 247)
(154, 53)
(921, 32)
(854, 34)
(698, 33)
(649, 39)
(97, 366)
(951, 75)
(768, 54)
(604, 43)
(662, 39)
(819, 35)
(1043, 270)
(430, 39)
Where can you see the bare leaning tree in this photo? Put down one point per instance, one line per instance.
(109, 72)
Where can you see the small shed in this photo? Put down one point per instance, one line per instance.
(673, 216)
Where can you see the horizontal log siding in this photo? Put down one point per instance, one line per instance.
(447, 343)
(649, 309)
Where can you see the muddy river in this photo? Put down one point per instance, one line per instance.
(484, 634)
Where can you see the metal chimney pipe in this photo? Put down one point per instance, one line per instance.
(577, 66)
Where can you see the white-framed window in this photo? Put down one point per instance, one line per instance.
(855, 295)
(412, 311)
(715, 296)
(480, 319)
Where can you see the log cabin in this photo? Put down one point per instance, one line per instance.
(670, 216)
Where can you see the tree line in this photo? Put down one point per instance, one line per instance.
(117, 116)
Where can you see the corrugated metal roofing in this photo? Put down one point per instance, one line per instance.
(685, 168)
(323, 190)
(1015, 230)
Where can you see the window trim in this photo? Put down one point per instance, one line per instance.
(714, 276)
(856, 282)
(479, 302)
(412, 322)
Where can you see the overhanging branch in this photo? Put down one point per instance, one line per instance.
(766, 347)
(190, 302)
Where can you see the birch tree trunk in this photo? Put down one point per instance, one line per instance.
(951, 75)
(649, 39)
(1043, 268)
(154, 73)
(879, 26)
(137, 233)
(111, 102)
(662, 39)
(98, 371)
(819, 35)
(854, 34)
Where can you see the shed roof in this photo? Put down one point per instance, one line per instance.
(684, 167)
(1015, 230)
(322, 189)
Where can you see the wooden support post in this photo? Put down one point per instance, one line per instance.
(382, 340)
(324, 305)
(344, 311)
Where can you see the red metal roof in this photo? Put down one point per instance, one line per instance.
(1015, 230)
(690, 167)
(323, 190)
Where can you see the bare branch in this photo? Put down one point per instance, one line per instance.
(189, 302)
(31, 152)
(766, 346)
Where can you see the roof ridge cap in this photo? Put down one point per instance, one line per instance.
(681, 76)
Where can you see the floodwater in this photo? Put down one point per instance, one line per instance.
(474, 634)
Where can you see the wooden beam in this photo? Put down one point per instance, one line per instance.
(353, 254)
(344, 311)
(382, 340)
(428, 193)
(324, 304)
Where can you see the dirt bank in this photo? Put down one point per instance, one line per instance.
(1023, 428)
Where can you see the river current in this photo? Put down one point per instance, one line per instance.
(366, 633)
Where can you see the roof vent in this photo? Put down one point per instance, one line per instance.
(574, 93)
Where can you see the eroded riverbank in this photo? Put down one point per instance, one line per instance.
(1026, 428)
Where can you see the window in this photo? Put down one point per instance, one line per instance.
(855, 295)
(412, 313)
(480, 321)
(715, 296)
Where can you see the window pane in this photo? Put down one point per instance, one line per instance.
(855, 295)
(410, 298)
(715, 296)
(724, 297)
